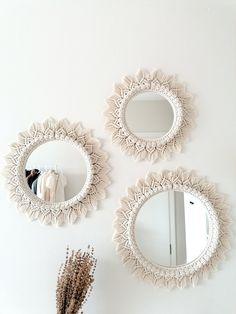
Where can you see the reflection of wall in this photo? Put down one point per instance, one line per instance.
(149, 116)
(62, 156)
(153, 229)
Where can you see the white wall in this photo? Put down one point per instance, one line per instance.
(60, 58)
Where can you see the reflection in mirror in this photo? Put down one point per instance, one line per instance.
(56, 171)
(149, 115)
(172, 228)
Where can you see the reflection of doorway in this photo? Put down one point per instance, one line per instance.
(171, 228)
(188, 227)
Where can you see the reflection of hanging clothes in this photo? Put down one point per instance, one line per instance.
(56, 183)
(42, 191)
(34, 186)
(51, 186)
(31, 176)
(27, 172)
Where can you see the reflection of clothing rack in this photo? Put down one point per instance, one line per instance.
(49, 185)
(44, 168)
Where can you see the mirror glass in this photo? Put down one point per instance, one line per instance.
(56, 171)
(172, 228)
(149, 115)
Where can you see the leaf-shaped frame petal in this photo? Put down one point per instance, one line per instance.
(219, 228)
(97, 172)
(166, 86)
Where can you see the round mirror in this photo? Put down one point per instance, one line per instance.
(172, 228)
(56, 171)
(149, 115)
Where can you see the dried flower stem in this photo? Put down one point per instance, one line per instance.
(74, 283)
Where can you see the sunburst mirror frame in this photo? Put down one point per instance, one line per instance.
(69, 211)
(219, 228)
(164, 85)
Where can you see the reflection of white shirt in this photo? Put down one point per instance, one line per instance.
(42, 190)
(56, 183)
